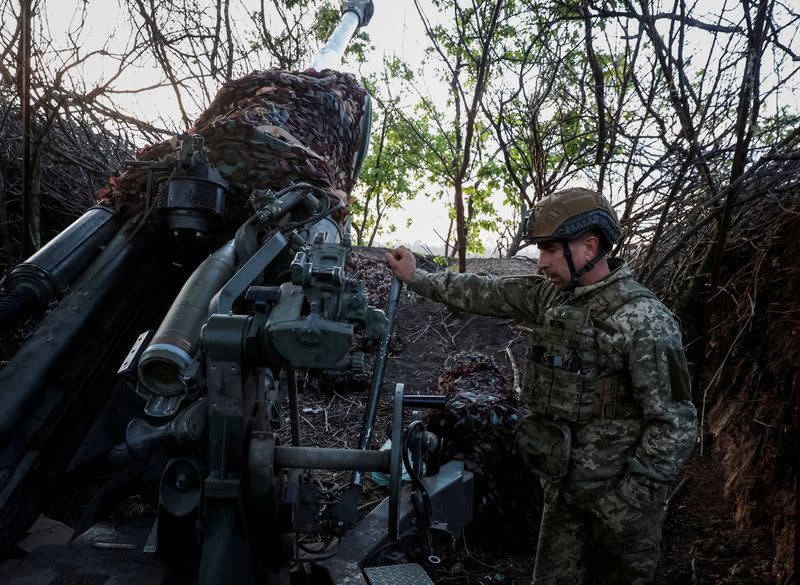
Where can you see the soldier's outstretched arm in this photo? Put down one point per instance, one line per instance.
(520, 297)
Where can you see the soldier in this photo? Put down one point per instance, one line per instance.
(606, 381)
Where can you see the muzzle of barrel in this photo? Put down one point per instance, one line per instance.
(48, 275)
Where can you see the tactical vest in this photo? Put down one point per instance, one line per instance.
(576, 371)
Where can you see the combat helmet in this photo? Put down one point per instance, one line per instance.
(567, 214)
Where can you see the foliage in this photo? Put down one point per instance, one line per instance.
(387, 180)
(462, 52)
(390, 174)
(88, 88)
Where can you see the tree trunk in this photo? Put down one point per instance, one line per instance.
(36, 203)
(461, 231)
(447, 251)
(5, 238)
(378, 219)
(516, 243)
(28, 245)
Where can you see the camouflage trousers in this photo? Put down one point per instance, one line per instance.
(608, 533)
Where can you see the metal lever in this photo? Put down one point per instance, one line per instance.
(377, 374)
(420, 498)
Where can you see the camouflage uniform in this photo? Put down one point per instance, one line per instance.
(602, 520)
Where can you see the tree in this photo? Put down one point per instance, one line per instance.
(538, 112)
(465, 54)
(387, 179)
(70, 126)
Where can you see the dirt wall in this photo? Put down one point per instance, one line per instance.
(750, 385)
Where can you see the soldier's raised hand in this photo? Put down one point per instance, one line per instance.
(401, 261)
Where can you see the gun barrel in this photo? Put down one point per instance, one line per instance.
(48, 275)
(28, 373)
(355, 14)
(330, 56)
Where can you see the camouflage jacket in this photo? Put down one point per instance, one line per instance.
(655, 444)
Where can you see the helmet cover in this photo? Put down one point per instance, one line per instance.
(569, 213)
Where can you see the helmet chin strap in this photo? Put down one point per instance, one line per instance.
(576, 275)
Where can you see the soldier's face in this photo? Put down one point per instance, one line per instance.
(553, 264)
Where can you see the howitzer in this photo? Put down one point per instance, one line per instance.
(235, 298)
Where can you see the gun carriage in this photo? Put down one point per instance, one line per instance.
(211, 386)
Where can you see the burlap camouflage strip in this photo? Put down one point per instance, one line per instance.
(266, 130)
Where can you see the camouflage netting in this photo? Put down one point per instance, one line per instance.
(478, 426)
(266, 130)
